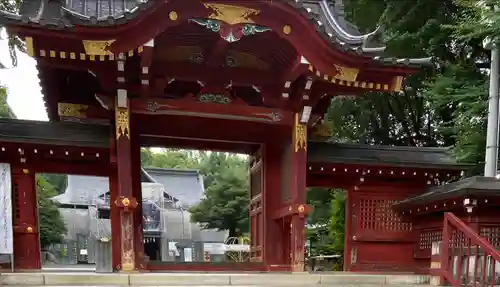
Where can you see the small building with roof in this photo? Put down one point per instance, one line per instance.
(167, 196)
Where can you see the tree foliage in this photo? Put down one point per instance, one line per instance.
(326, 221)
(52, 226)
(225, 206)
(442, 105)
(14, 42)
(225, 177)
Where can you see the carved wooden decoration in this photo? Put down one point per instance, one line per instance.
(97, 48)
(346, 74)
(72, 110)
(300, 135)
(231, 14)
(122, 123)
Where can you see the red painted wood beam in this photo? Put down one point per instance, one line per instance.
(125, 201)
(145, 65)
(194, 72)
(77, 65)
(216, 54)
(188, 107)
(328, 181)
(296, 70)
(292, 209)
(208, 129)
(380, 170)
(184, 143)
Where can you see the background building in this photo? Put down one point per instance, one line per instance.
(169, 234)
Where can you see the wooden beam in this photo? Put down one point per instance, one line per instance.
(145, 65)
(216, 54)
(221, 146)
(211, 110)
(209, 129)
(236, 76)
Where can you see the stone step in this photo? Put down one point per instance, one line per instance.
(342, 285)
(210, 279)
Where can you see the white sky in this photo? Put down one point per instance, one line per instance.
(23, 88)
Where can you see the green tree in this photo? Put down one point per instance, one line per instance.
(58, 181)
(5, 111)
(169, 158)
(326, 221)
(319, 199)
(478, 20)
(336, 228)
(52, 227)
(440, 106)
(14, 42)
(225, 205)
(225, 177)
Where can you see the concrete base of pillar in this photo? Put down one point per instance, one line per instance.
(210, 279)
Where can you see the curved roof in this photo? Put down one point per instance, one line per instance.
(325, 16)
(417, 157)
(476, 186)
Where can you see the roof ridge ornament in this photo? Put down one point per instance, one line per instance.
(338, 26)
(231, 14)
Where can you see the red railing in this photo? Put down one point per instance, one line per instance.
(467, 259)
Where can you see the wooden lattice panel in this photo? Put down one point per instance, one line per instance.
(428, 237)
(377, 215)
(458, 239)
(492, 234)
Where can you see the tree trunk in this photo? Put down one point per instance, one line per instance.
(233, 232)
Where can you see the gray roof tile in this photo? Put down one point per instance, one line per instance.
(419, 157)
(326, 16)
(185, 185)
(477, 186)
(55, 133)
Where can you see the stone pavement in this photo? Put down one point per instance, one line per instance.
(210, 279)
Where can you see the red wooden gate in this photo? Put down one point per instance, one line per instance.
(380, 240)
(256, 207)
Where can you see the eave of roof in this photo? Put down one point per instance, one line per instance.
(54, 133)
(416, 157)
(477, 186)
(353, 43)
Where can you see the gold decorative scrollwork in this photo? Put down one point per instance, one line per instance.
(300, 135)
(97, 48)
(346, 74)
(72, 110)
(122, 123)
(127, 244)
(231, 14)
(322, 130)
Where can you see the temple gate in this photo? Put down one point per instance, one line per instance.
(236, 76)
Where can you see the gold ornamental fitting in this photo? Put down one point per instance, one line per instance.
(29, 229)
(301, 208)
(126, 202)
(287, 29)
